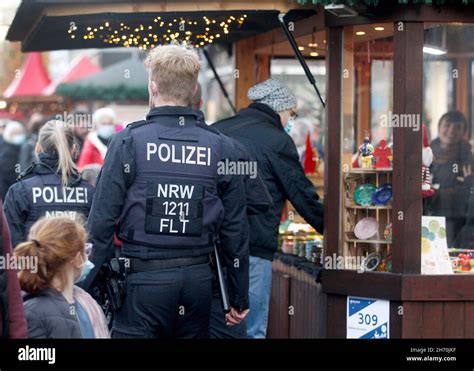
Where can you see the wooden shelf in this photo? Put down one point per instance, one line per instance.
(355, 240)
(371, 207)
(369, 171)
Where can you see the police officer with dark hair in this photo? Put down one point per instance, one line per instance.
(51, 186)
(161, 191)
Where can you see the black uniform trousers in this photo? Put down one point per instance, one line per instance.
(166, 303)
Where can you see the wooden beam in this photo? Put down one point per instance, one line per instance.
(462, 86)
(407, 145)
(406, 13)
(333, 132)
(170, 6)
(244, 70)
(301, 28)
(399, 287)
(363, 71)
(262, 72)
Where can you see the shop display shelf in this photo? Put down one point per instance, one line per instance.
(371, 207)
(369, 171)
(372, 241)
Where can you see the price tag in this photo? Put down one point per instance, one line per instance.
(367, 318)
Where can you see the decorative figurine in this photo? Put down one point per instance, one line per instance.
(387, 233)
(426, 189)
(366, 154)
(382, 155)
(464, 260)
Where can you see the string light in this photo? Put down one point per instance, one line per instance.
(203, 31)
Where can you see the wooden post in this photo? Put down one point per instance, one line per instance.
(332, 179)
(363, 101)
(462, 83)
(407, 145)
(244, 70)
(262, 72)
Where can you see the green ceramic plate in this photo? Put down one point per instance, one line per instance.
(363, 194)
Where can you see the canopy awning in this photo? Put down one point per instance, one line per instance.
(81, 67)
(31, 81)
(63, 24)
(123, 81)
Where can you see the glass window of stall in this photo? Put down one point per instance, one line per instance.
(296, 236)
(448, 162)
(367, 141)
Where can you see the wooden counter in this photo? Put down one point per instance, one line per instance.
(297, 303)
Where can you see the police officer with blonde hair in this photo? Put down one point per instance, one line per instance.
(51, 186)
(161, 192)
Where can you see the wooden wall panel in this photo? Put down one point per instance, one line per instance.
(454, 313)
(412, 325)
(308, 302)
(296, 288)
(278, 321)
(336, 316)
(433, 320)
(469, 320)
(396, 315)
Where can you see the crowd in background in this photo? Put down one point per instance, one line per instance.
(18, 141)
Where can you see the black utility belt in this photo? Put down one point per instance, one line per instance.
(139, 265)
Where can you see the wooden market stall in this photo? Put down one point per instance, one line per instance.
(379, 58)
(25, 93)
(383, 52)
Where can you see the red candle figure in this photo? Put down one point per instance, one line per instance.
(382, 155)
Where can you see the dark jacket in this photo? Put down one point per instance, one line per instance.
(50, 316)
(27, 152)
(445, 169)
(258, 128)
(12, 315)
(452, 198)
(113, 189)
(18, 202)
(465, 238)
(9, 166)
(257, 196)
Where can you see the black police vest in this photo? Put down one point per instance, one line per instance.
(48, 198)
(173, 201)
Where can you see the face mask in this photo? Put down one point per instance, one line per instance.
(86, 269)
(18, 139)
(289, 125)
(106, 131)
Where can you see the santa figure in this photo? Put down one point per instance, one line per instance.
(426, 189)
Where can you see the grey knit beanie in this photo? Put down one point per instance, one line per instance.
(274, 94)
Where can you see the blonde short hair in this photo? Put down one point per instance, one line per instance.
(174, 68)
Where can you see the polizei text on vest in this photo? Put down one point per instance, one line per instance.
(184, 154)
(73, 195)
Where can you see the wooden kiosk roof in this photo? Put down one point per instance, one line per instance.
(60, 24)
